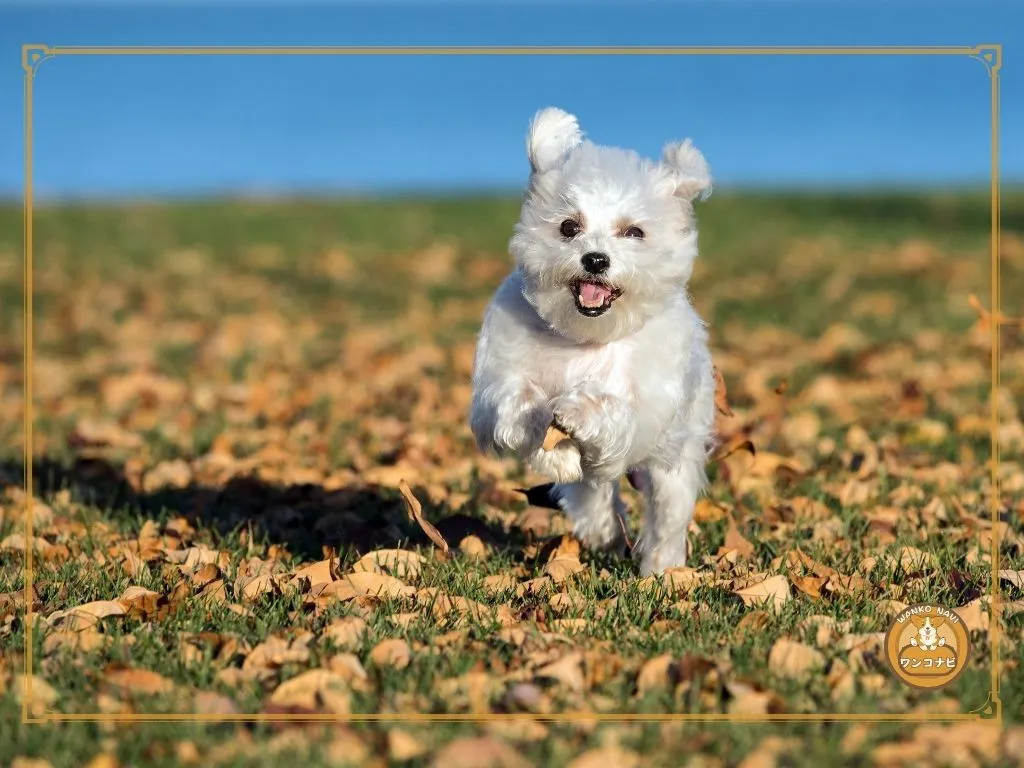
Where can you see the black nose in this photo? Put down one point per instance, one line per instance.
(595, 263)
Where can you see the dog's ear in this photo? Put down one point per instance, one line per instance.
(553, 133)
(688, 170)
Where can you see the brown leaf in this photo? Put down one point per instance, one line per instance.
(562, 568)
(318, 690)
(604, 757)
(657, 673)
(1016, 578)
(789, 658)
(479, 752)
(321, 572)
(90, 433)
(499, 584)
(721, 395)
(83, 641)
(348, 667)
(846, 585)
(211, 703)
(85, 616)
(204, 574)
(736, 446)
(392, 653)
(142, 603)
(773, 592)
(401, 563)
(755, 621)
(403, 746)
(277, 651)
(809, 585)
(255, 587)
(416, 513)
(346, 633)
(39, 694)
(132, 680)
(553, 437)
(748, 699)
(359, 583)
(805, 508)
(735, 540)
(473, 547)
(796, 559)
(975, 615)
(567, 670)
(17, 542)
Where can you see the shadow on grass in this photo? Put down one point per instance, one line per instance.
(303, 518)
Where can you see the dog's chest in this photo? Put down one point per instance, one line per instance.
(610, 365)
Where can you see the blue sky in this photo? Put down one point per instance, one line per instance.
(117, 126)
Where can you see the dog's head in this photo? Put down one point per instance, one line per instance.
(927, 627)
(606, 239)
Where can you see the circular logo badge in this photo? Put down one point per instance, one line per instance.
(927, 646)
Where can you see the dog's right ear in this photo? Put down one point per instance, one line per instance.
(553, 134)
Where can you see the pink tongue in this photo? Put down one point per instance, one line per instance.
(592, 294)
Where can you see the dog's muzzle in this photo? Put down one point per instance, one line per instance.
(593, 297)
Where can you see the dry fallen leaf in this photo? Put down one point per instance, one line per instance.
(316, 690)
(564, 561)
(85, 616)
(567, 671)
(391, 653)
(346, 633)
(400, 563)
(39, 695)
(773, 593)
(359, 583)
(721, 395)
(479, 752)
(656, 673)
(605, 757)
(403, 746)
(416, 513)
(789, 658)
(735, 540)
(749, 699)
(553, 437)
(132, 680)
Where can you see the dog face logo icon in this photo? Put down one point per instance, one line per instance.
(927, 646)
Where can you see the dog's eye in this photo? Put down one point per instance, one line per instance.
(570, 228)
(634, 232)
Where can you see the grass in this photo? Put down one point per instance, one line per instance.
(245, 383)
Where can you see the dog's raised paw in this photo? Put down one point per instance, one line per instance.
(563, 463)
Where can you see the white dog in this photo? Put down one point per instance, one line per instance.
(594, 332)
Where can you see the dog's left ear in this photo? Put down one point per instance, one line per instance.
(688, 170)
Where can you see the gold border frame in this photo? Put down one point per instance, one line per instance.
(990, 55)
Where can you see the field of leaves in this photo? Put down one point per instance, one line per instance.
(255, 491)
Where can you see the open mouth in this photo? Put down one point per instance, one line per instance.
(593, 298)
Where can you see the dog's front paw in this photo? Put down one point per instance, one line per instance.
(520, 430)
(600, 425)
(563, 463)
(579, 415)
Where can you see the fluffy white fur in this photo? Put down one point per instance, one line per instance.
(634, 386)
